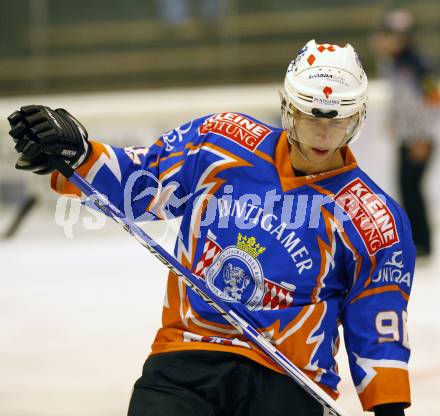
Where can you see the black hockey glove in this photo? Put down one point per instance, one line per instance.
(41, 133)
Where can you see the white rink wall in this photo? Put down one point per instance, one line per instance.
(78, 315)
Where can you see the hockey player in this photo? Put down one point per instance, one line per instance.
(281, 220)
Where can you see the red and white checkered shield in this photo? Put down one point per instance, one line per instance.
(277, 296)
(210, 251)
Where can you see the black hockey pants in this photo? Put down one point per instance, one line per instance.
(209, 383)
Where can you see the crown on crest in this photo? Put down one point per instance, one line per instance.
(249, 245)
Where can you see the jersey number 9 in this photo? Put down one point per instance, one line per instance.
(387, 325)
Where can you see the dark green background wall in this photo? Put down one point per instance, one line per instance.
(65, 45)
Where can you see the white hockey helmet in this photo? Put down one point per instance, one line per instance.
(325, 81)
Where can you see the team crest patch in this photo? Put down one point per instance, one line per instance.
(235, 282)
(369, 214)
(236, 127)
(236, 274)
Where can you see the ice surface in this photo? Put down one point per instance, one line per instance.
(78, 316)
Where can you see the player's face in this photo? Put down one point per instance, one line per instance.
(319, 137)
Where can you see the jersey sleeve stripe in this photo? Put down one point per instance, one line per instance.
(377, 290)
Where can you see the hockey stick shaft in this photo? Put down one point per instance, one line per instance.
(23, 212)
(234, 313)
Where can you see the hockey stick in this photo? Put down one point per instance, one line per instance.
(234, 313)
(24, 209)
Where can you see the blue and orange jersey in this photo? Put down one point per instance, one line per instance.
(304, 254)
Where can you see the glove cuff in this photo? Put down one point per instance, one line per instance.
(84, 156)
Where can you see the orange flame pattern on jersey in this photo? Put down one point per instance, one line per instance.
(215, 182)
(176, 289)
(297, 341)
(343, 235)
(326, 251)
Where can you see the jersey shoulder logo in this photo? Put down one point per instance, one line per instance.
(370, 215)
(236, 127)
